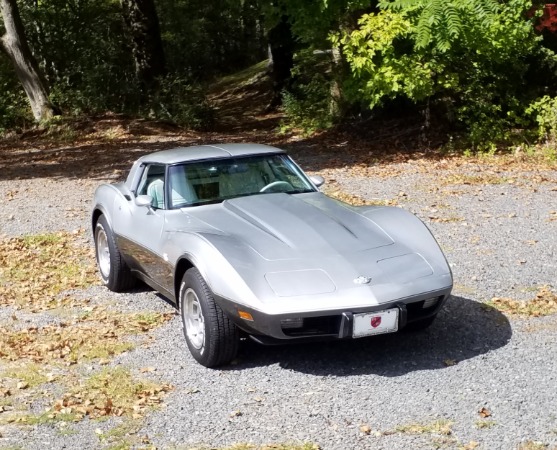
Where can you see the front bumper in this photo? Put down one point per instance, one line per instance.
(325, 325)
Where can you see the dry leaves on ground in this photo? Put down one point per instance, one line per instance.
(543, 304)
(35, 273)
(356, 200)
(111, 392)
(34, 270)
(99, 335)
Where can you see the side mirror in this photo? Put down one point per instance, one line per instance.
(318, 180)
(144, 200)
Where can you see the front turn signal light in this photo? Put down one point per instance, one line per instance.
(245, 315)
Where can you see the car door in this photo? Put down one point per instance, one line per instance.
(140, 228)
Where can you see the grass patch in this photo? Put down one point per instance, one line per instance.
(532, 445)
(61, 344)
(125, 445)
(543, 304)
(35, 269)
(280, 446)
(121, 431)
(439, 427)
(39, 419)
(241, 78)
(100, 335)
(30, 374)
(123, 436)
(111, 392)
(485, 424)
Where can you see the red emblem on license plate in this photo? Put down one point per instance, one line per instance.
(375, 321)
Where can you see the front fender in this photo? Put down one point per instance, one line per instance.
(211, 255)
(404, 227)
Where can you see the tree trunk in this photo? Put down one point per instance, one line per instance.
(140, 17)
(14, 44)
(281, 58)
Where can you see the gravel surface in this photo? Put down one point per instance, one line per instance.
(500, 239)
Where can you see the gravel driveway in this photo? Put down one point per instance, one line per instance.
(476, 379)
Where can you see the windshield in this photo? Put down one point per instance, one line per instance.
(215, 180)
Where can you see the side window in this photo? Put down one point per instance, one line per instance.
(152, 183)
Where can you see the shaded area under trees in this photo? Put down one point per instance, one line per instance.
(479, 69)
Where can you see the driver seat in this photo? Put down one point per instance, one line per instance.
(156, 190)
(241, 182)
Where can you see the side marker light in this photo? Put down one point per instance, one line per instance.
(245, 315)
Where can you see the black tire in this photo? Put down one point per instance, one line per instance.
(420, 325)
(115, 275)
(219, 343)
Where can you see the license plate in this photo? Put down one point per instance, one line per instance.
(379, 322)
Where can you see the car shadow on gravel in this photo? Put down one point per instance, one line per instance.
(464, 329)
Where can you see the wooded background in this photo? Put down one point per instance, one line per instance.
(486, 69)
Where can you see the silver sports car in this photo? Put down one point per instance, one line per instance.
(243, 242)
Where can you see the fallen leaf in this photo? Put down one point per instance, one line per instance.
(366, 429)
(450, 362)
(484, 412)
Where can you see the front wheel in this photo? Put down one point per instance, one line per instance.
(211, 336)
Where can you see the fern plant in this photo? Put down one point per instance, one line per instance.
(475, 56)
(441, 22)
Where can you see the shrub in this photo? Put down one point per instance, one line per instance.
(183, 102)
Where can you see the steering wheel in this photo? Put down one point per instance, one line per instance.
(275, 183)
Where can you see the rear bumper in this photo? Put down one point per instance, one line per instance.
(327, 325)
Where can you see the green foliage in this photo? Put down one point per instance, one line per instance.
(14, 107)
(78, 44)
(312, 21)
(205, 39)
(544, 113)
(307, 104)
(182, 102)
(308, 107)
(476, 58)
(440, 22)
(83, 50)
(380, 69)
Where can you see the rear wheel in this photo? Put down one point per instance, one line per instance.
(114, 272)
(211, 336)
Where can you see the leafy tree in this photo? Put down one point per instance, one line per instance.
(14, 44)
(143, 29)
(84, 51)
(475, 60)
(440, 22)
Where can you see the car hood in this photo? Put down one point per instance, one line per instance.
(302, 246)
(282, 226)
